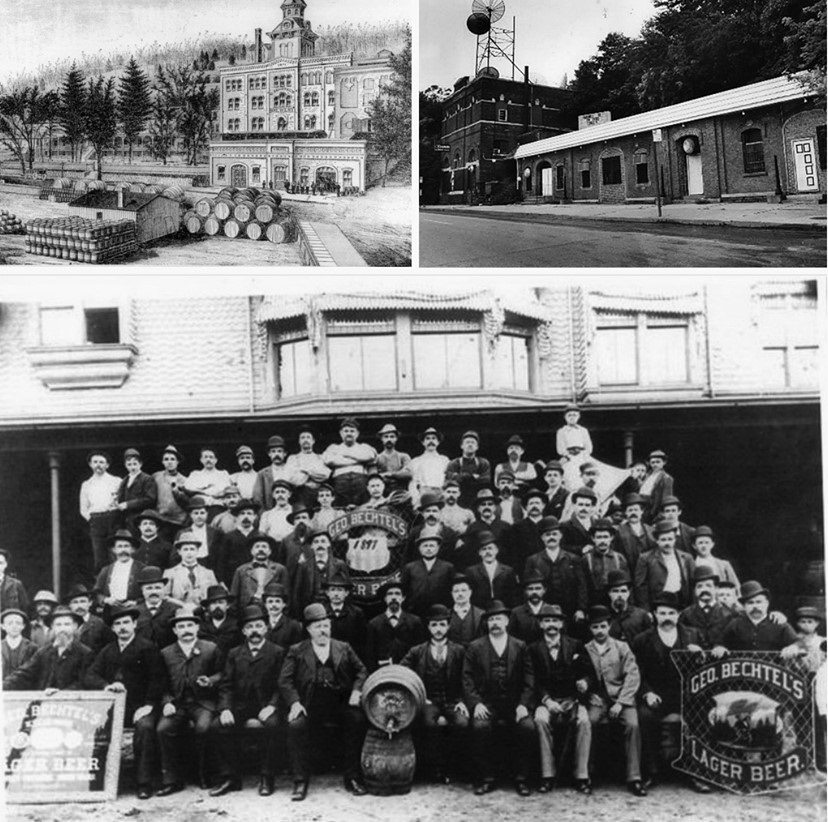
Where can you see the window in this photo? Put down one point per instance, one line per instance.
(234, 124)
(257, 102)
(331, 98)
(279, 174)
(753, 151)
(456, 160)
(446, 359)
(472, 156)
(611, 170)
(502, 115)
(368, 84)
(221, 172)
(304, 176)
(310, 122)
(75, 324)
(281, 124)
(307, 98)
(314, 98)
(511, 367)
(257, 124)
(362, 363)
(642, 168)
(347, 177)
(559, 177)
(257, 174)
(586, 176)
(615, 352)
(295, 362)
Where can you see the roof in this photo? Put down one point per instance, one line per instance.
(133, 200)
(766, 93)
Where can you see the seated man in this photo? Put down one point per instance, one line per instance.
(217, 624)
(431, 506)
(498, 687)
(133, 665)
(391, 634)
(563, 676)
(348, 623)
(626, 621)
(188, 581)
(250, 579)
(617, 681)
(321, 682)
(116, 585)
(248, 699)
(439, 664)
(281, 629)
(93, 631)
(466, 623)
(15, 648)
(490, 579)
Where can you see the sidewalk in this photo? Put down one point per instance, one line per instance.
(795, 215)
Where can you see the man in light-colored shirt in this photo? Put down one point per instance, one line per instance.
(245, 478)
(524, 473)
(428, 471)
(188, 581)
(306, 469)
(393, 466)
(98, 504)
(210, 481)
(349, 462)
(172, 498)
(453, 515)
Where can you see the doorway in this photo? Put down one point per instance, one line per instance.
(804, 152)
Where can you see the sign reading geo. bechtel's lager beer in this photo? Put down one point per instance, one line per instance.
(748, 721)
(62, 748)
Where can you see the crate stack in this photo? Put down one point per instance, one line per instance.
(82, 240)
(242, 213)
(9, 223)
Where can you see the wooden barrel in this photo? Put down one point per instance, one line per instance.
(391, 698)
(62, 184)
(204, 207)
(232, 228)
(388, 763)
(174, 193)
(139, 187)
(96, 185)
(282, 230)
(193, 222)
(266, 212)
(250, 192)
(255, 231)
(223, 208)
(228, 192)
(153, 189)
(243, 212)
(212, 226)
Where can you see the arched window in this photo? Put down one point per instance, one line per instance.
(472, 156)
(331, 97)
(310, 122)
(304, 79)
(456, 160)
(753, 151)
(281, 124)
(560, 177)
(314, 98)
(642, 167)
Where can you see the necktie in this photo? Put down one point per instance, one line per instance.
(192, 577)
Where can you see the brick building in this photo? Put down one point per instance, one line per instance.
(722, 376)
(724, 146)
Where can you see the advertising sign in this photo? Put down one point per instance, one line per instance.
(748, 721)
(62, 748)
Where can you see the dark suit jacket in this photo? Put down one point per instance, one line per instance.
(232, 552)
(95, 634)
(296, 679)
(307, 581)
(524, 540)
(524, 625)
(156, 628)
(142, 494)
(288, 632)
(565, 579)
(465, 631)
(448, 546)
(349, 626)
(13, 594)
(631, 545)
(651, 574)
(250, 683)
(710, 626)
(662, 488)
(13, 659)
(467, 553)
(504, 585)
(425, 588)
(139, 666)
(575, 536)
(555, 504)
(472, 474)
(45, 669)
(477, 674)
(182, 673)
(133, 588)
(244, 585)
(227, 635)
(555, 679)
(742, 635)
(658, 673)
(159, 552)
(416, 659)
(382, 641)
(630, 623)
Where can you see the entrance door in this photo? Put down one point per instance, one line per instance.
(805, 163)
(326, 179)
(546, 182)
(238, 176)
(695, 181)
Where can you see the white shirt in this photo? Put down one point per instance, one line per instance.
(322, 651)
(98, 494)
(669, 638)
(13, 643)
(244, 481)
(119, 581)
(187, 649)
(274, 523)
(499, 643)
(673, 582)
(429, 470)
(201, 535)
(209, 484)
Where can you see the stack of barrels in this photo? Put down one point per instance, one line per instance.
(9, 223)
(240, 213)
(86, 241)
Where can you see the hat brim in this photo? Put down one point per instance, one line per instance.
(761, 592)
(133, 612)
(51, 618)
(497, 611)
(12, 612)
(189, 618)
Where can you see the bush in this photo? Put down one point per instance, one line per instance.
(506, 195)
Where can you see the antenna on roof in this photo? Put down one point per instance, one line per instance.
(493, 42)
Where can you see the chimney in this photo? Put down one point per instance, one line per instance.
(527, 99)
(258, 45)
(120, 198)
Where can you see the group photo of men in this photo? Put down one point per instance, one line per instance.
(539, 598)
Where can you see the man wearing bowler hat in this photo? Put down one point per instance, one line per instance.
(427, 580)
(234, 546)
(298, 540)
(428, 470)
(275, 472)
(133, 665)
(247, 703)
(250, 579)
(633, 537)
(498, 688)
(430, 521)
(555, 492)
(245, 478)
(705, 615)
(487, 520)
(617, 681)
(217, 624)
(657, 485)
(524, 536)
(348, 623)
(117, 583)
(491, 579)
(15, 649)
(577, 530)
(391, 634)
(98, 504)
(137, 490)
(172, 495)
(665, 568)
(155, 612)
(523, 620)
(393, 466)
(281, 629)
(349, 461)
(321, 682)
(599, 559)
(307, 470)
(627, 621)
(671, 512)
(703, 544)
(439, 664)
(59, 666)
(315, 564)
(523, 472)
(194, 669)
(563, 676)
(471, 471)
(93, 632)
(152, 549)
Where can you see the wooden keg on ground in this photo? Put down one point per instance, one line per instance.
(193, 223)
(204, 207)
(265, 212)
(243, 212)
(212, 226)
(255, 231)
(233, 228)
(223, 208)
(282, 229)
(388, 763)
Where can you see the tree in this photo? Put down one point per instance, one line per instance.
(164, 124)
(134, 103)
(805, 46)
(50, 114)
(390, 113)
(72, 106)
(24, 115)
(100, 118)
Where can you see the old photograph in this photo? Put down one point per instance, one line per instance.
(189, 132)
(637, 133)
(449, 548)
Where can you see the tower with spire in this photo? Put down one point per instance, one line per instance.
(293, 37)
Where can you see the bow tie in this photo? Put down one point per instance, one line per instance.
(260, 564)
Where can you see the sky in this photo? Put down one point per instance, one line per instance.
(551, 36)
(33, 32)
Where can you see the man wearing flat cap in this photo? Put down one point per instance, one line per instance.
(98, 498)
(217, 624)
(15, 649)
(523, 472)
(665, 568)
(117, 583)
(391, 634)
(600, 559)
(427, 580)
(155, 611)
(491, 579)
(277, 471)
(307, 469)
(633, 537)
(428, 470)
(439, 664)
(250, 579)
(349, 462)
(315, 564)
(657, 485)
(471, 471)
(393, 466)
(172, 497)
(498, 689)
(248, 698)
(321, 682)
(137, 490)
(245, 478)
(133, 665)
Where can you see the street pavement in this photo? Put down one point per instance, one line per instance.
(524, 238)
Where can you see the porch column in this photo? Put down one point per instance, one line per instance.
(628, 448)
(54, 474)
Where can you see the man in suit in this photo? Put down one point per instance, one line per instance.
(660, 693)
(509, 504)
(498, 687)
(277, 470)
(561, 571)
(194, 670)
(137, 490)
(490, 579)
(321, 682)
(633, 537)
(15, 648)
(487, 522)
(599, 560)
(466, 621)
(217, 624)
(348, 623)
(471, 471)
(664, 569)
(155, 612)
(281, 629)
(44, 603)
(439, 664)
(117, 583)
(626, 621)
(430, 521)
(563, 677)
(427, 581)
(12, 591)
(391, 634)
(657, 485)
(132, 665)
(189, 580)
(671, 512)
(524, 536)
(617, 681)
(706, 616)
(248, 699)
(209, 540)
(94, 632)
(250, 579)
(59, 666)
(235, 549)
(576, 531)
(555, 495)
(152, 549)
(523, 621)
(315, 564)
